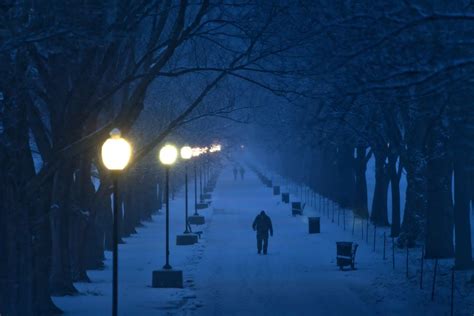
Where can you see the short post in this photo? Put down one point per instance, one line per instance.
(353, 222)
(327, 207)
(332, 211)
(434, 279)
(338, 216)
(407, 262)
(384, 242)
(375, 235)
(367, 232)
(393, 253)
(452, 291)
(422, 265)
(319, 198)
(344, 218)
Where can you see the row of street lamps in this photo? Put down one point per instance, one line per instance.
(116, 154)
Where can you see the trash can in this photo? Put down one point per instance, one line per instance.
(276, 190)
(345, 254)
(296, 208)
(314, 225)
(285, 198)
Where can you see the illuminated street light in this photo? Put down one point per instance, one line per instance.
(116, 153)
(186, 154)
(167, 277)
(168, 155)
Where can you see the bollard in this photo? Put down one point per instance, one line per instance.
(367, 232)
(327, 208)
(407, 262)
(384, 241)
(452, 291)
(353, 222)
(375, 235)
(421, 269)
(332, 211)
(344, 218)
(434, 280)
(393, 253)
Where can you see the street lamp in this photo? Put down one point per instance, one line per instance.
(187, 238)
(116, 153)
(167, 277)
(186, 154)
(196, 219)
(168, 155)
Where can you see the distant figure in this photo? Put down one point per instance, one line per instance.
(262, 224)
(242, 172)
(235, 173)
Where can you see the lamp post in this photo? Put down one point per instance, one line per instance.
(195, 189)
(168, 155)
(187, 238)
(200, 184)
(116, 153)
(196, 219)
(167, 277)
(186, 154)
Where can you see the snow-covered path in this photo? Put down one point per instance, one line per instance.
(224, 275)
(298, 274)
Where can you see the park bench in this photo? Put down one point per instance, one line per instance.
(199, 232)
(297, 208)
(346, 252)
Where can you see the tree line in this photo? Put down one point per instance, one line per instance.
(72, 71)
(390, 82)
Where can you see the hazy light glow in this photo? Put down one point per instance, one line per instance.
(186, 152)
(215, 148)
(168, 154)
(197, 151)
(116, 151)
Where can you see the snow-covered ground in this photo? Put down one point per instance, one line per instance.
(225, 276)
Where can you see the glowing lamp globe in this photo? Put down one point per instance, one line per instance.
(186, 152)
(116, 151)
(168, 154)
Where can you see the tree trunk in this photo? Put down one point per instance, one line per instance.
(463, 247)
(346, 178)
(61, 282)
(42, 304)
(415, 205)
(361, 208)
(439, 215)
(395, 190)
(379, 214)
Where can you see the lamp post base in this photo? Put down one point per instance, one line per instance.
(196, 220)
(186, 239)
(167, 279)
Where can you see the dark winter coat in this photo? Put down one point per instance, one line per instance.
(263, 224)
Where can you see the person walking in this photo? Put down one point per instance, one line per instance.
(235, 173)
(262, 225)
(242, 172)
